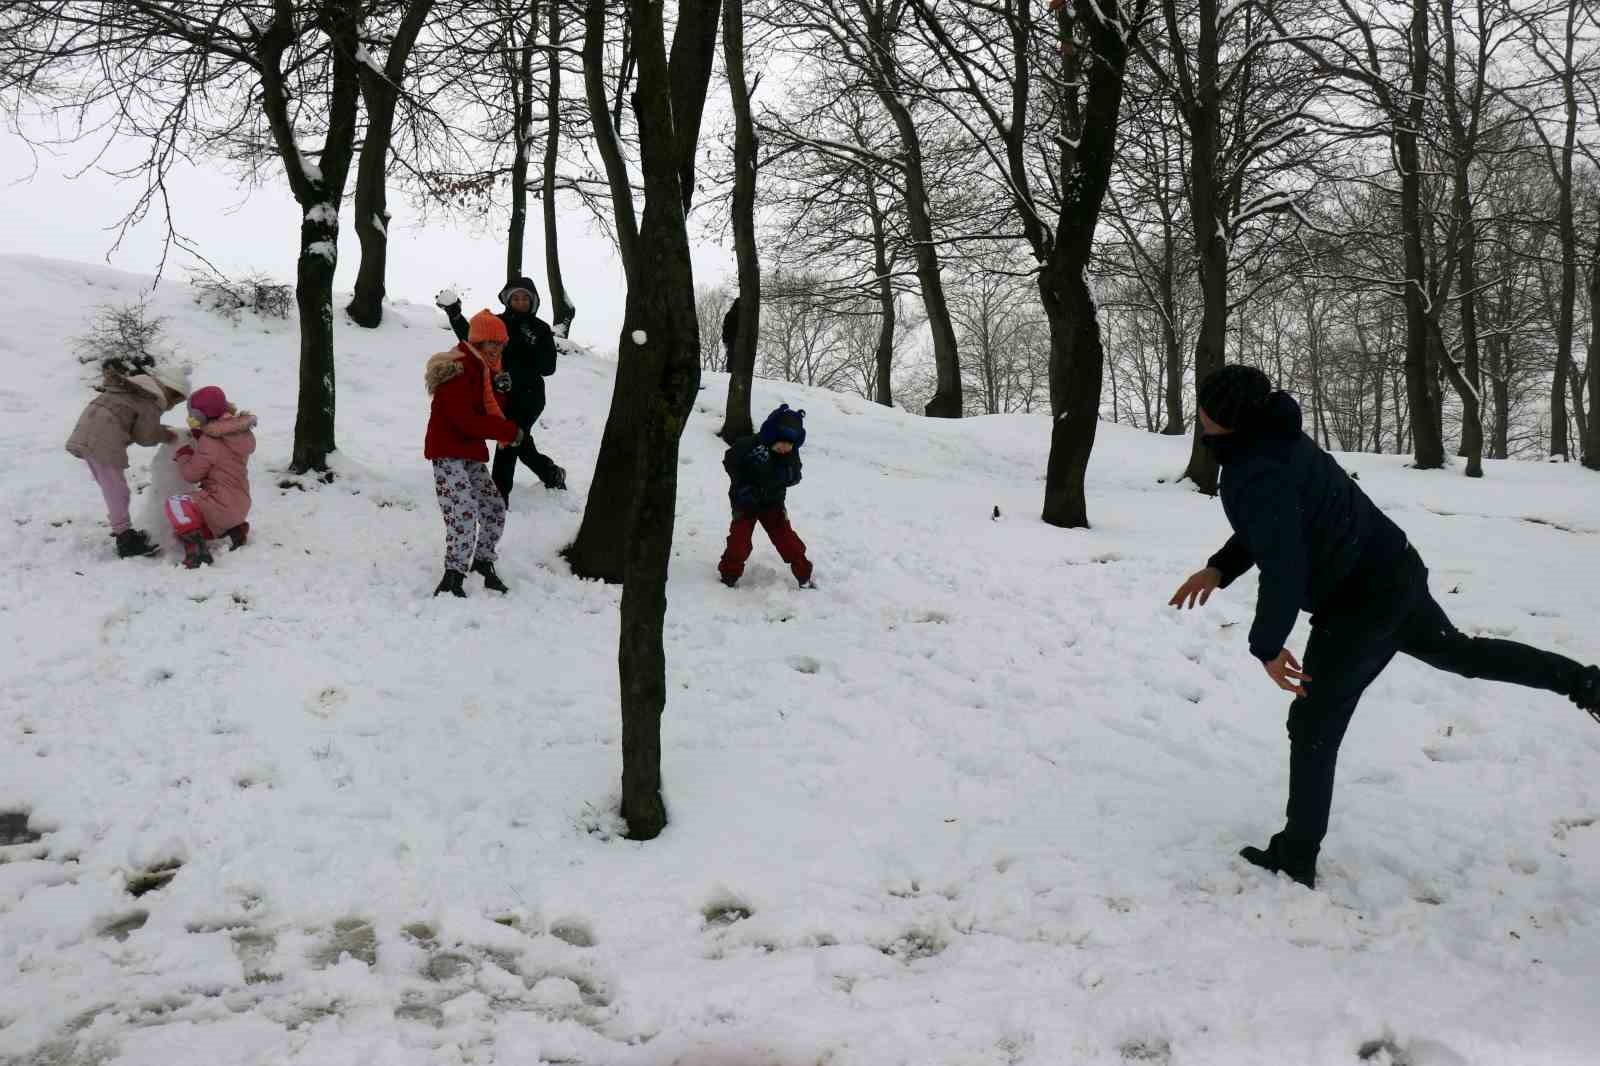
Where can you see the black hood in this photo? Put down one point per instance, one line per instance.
(1277, 420)
(1280, 418)
(526, 284)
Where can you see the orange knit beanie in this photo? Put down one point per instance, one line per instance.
(486, 326)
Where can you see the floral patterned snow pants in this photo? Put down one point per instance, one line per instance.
(474, 513)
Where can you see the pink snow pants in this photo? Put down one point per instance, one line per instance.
(113, 482)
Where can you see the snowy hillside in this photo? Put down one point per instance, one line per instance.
(974, 801)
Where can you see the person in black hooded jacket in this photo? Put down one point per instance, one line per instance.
(529, 358)
(1322, 546)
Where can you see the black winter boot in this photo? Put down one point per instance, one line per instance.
(452, 584)
(195, 551)
(134, 542)
(1282, 856)
(238, 536)
(1586, 691)
(491, 580)
(730, 580)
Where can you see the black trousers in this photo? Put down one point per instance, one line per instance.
(1349, 648)
(504, 470)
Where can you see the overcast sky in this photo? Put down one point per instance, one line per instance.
(241, 230)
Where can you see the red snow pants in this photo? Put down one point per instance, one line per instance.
(775, 520)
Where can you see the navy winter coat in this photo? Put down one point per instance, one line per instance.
(760, 477)
(1321, 545)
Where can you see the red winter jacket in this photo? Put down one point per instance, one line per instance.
(459, 422)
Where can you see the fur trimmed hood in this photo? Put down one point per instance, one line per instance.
(230, 429)
(443, 367)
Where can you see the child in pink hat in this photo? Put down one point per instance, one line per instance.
(216, 462)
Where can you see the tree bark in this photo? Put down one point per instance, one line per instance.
(1567, 228)
(1077, 356)
(562, 309)
(1427, 433)
(946, 402)
(600, 549)
(1468, 379)
(1591, 437)
(884, 356)
(663, 314)
(1203, 114)
(381, 94)
(737, 421)
(521, 63)
(318, 189)
(1169, 339)
(625, 220)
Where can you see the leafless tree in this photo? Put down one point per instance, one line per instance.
(1041, 92)
(251, 80)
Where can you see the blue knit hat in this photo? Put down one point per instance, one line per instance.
(784, 424)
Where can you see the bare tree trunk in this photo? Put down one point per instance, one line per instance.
(1468, 379)
(1500, 445)
(318, 190)
(663, 313)
(521, 135)
(601, 547)
(605, 134)
(1591, 437)
(1567, 228)
(1077, 356)
(946, 402)
(1203, 114)
(1427, 433)
(884, 392)
(1169, 339)
(562, 309)
(737, 421)
(381, 93)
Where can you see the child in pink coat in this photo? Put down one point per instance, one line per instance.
(216, 463)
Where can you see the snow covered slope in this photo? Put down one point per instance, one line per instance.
(974, 801)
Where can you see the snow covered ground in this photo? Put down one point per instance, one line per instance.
(974, 801)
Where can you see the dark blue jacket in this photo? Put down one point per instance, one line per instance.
(1321, 545)
(760, 477)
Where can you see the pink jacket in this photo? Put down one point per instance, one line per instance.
(216, 462)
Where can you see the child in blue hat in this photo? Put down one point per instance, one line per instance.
(761, 468)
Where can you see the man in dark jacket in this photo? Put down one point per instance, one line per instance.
(529, 358)
(1322, 546)
(761, 469)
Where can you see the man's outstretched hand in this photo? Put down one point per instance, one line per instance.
(1286, 673)
(1197, 589)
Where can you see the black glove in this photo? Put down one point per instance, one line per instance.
(502, 382)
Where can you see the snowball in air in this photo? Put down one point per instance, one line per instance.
(640, 336)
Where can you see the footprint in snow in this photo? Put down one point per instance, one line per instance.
(573, 931)
(123, 926)
(152, 878)
(324, 703)
(1156, 1050)
(14, 829)
(350, 936)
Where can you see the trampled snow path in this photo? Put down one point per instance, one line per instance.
(975, 800)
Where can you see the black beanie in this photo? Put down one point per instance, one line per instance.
(1235, 395)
